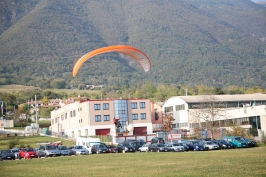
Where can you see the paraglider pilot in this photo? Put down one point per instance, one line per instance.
(117, 123)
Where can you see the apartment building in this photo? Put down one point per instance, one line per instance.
(96, 117)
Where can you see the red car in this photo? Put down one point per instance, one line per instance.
(27, 153)
(112, 148)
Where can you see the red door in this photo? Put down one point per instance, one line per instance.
(102, 131)
(140, 131)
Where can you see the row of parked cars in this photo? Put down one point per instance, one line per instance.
(156, 145)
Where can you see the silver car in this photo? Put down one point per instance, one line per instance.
(16, 152)
(64, 150)
(48, 151)
(79, 150)
(144, 148)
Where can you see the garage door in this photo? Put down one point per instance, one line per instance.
(140, 131)
(102, 131)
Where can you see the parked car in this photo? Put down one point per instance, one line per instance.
(79, 150)
(136, 144)
(251, 143)
(16, 152)
(64, 150)
(237, 140)
(176, 147)
(27, 153)
(125, 147)
(7, 155)
(157, 140)
(223, 144)
(144, 148)
(112, 148)
(48, 151)
(211, 145)
(159, 147)
(99, 149)
(195, 145)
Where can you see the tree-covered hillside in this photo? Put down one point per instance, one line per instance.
(216, 43)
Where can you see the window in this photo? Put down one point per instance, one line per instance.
(106, 117)
(97, 118)
(105, 106)
(74, 113)
(142, 116)
(134, 105)
(62, 117)
(168, 109)
(134, 116)
(179, 107)
(97, 107)
(142, 105)
(65, 115)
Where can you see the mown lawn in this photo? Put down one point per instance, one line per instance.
(31, 141)
(235, 162)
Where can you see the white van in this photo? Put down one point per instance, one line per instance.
(87, 142)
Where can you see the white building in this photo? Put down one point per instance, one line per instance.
(239, 109)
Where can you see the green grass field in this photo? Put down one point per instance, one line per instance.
(17, 88)
(235, 162)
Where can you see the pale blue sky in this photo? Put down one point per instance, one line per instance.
(258, 0)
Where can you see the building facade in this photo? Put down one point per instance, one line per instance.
(96, 117)
(247, 111)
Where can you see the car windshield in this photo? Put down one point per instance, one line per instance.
(62, 147)
(29, 150)
(111, 146)
(100, 146)
(224, 141)
(15, 150)
(6, 151)
(79, 147)
(177, 144)
(161, 145)
(239, 139)
(51, 147)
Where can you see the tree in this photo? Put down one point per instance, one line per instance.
(208, 114)
(45, 100)
(168, 121)
(21, 113)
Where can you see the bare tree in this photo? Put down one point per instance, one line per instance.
(209, 112)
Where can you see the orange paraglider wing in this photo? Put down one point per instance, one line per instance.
(132, 52)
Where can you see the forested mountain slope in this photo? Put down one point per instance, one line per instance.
(217, 43)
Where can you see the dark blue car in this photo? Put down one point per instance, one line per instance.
(7, 155)
(195, 145)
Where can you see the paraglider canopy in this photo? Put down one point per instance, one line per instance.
(130, 51)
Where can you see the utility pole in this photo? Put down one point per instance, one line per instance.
(36, 110)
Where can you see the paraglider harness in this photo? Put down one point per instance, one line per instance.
(117, 123)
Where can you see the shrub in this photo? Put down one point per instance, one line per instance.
(12, 143)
